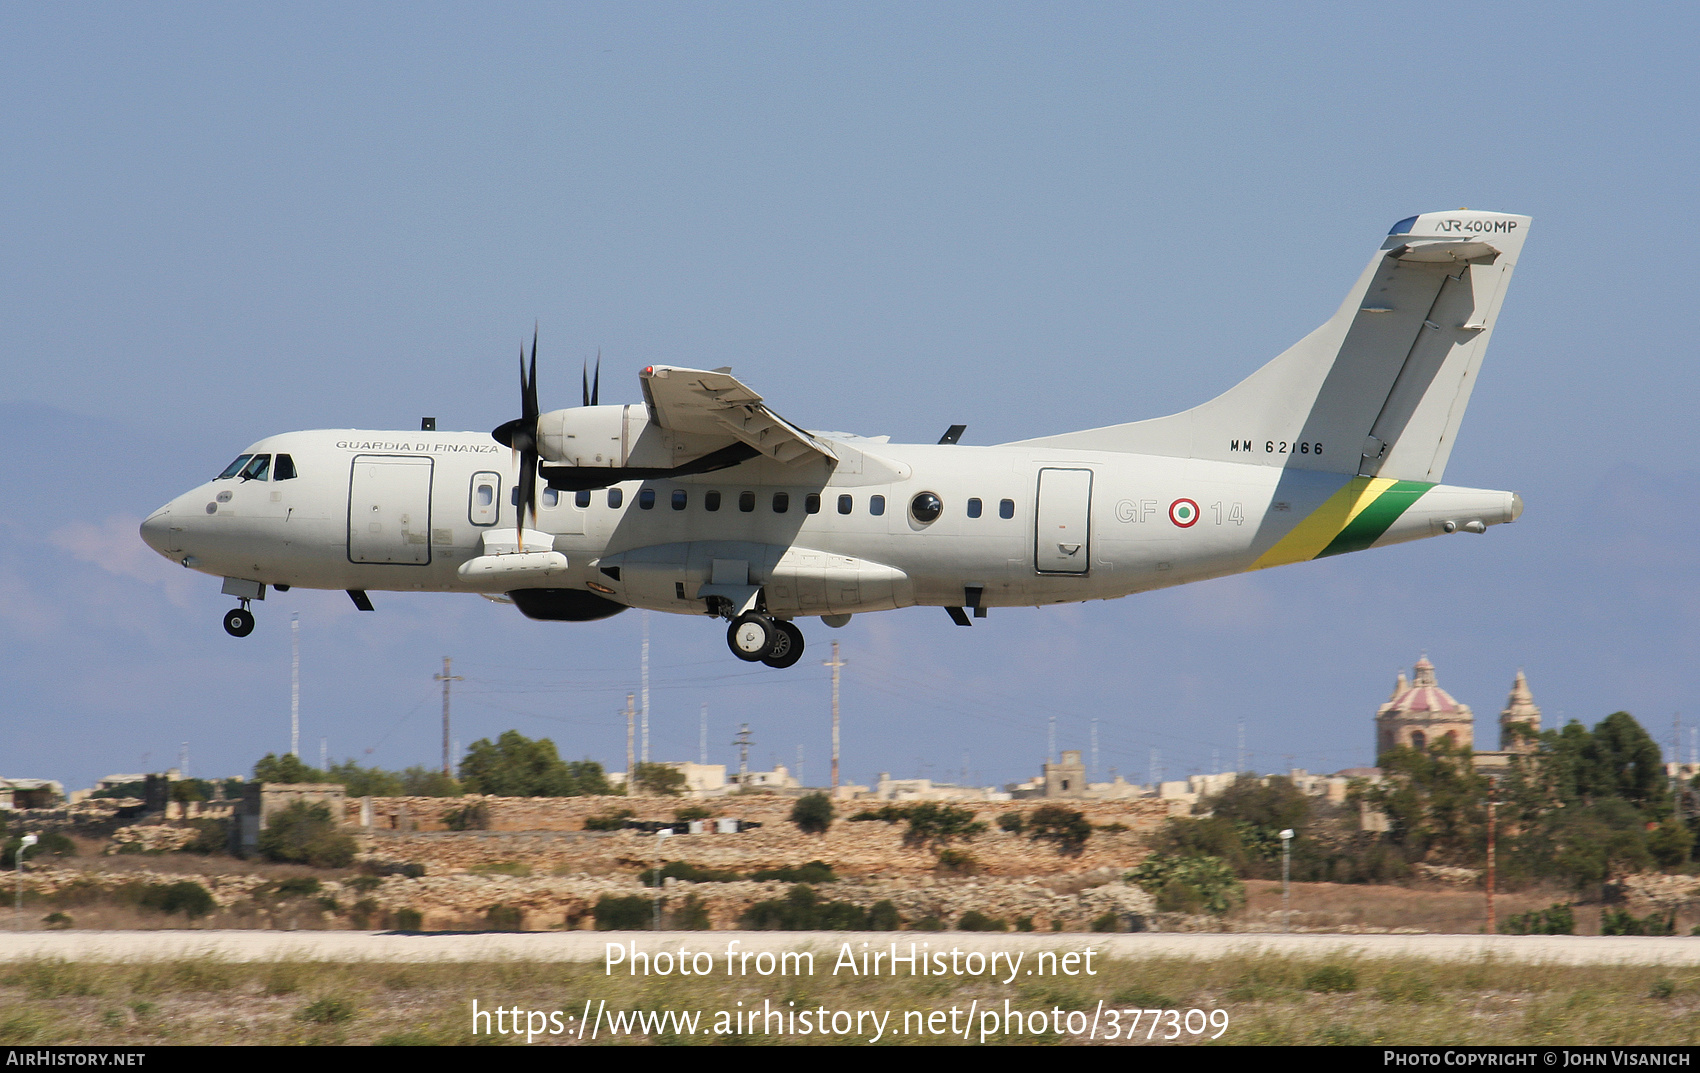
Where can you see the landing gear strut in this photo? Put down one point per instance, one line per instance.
(239, 621)
(757, 638)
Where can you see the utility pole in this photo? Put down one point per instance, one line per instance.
(702, 737)
(743, 742)
(631, 767)
(836, 664)
(646, 687)
(446, 678)
(295, 684)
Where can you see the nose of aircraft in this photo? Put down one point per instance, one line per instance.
(157, 529)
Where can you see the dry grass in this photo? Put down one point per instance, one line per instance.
(1443, 910)
(1270, 1000)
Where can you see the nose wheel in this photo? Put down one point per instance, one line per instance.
(239, 621)
(759, 639)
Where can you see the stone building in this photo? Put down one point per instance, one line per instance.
(1520, 719)
(1420, 713)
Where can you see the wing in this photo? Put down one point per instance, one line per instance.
(714, 403)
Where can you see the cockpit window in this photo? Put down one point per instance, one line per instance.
(234, 468)
(285, 469)
(257, 468)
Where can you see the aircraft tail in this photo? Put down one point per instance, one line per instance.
(1377, 391)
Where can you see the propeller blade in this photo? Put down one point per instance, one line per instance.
(596, 388)
(586, 374)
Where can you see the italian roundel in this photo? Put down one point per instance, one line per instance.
(1183, 512)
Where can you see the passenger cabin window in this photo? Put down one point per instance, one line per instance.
(680, 499)
(781, 502)
(485, 495)
(646, 498)
(582, 498)
(615, 497)
(846, 504)
(746, 501)
(257, 468)
(811, 503)
(973, 508)
(285, 469)
(876, 505)
(551, 497)
(711, 501)
(1006, 508)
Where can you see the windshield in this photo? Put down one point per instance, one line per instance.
(234, 468)
(257, 468)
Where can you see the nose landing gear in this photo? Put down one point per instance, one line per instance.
(239, 621)
(757, 638)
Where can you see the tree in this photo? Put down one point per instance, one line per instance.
(1275, 803)
(429, 782)
(1434, 800)
(812, 814)
(1064, 828)
(516, 766)
(660, 779)
(305, 833)
(285, 768)
(364, 782)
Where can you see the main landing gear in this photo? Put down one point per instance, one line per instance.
(239, 621)
(760, 639)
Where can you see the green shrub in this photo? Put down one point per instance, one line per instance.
(957, 862)
(1064, 828)
(327, 1011)
(1024, 923)
(1205, 883)
(974, 920)
(1556, 919)
(609, 821)
(883, 916)
(812, 814)
(692, 915)
(305, 833)
(297, 886)
(660, 779)
(1013, 822)
(802, 910)
(56, 922)
(692, 812)
(505, 918)
(813, 872)
(407, 919)
(686, 872)
(1621, 922)
(472, 817)
(186, 897)
(933, 823)
(1331, 978)
(631, 912)
(211, 836)
(1662, 988)
(49, 844)
(1108, 922)
(363, 913)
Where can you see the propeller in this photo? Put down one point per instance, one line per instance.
(593, 393)
(521, 435)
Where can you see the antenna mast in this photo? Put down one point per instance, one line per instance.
(446, 678)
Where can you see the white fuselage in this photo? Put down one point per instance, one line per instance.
(408, 510)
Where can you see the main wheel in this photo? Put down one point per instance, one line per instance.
(787, 645)
(239, 622)
(750, 636)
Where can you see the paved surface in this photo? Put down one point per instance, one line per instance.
(592, 946)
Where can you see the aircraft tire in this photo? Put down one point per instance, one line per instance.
(787, 646)
(238, 622)
(750, 636)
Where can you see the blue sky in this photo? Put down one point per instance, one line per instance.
(224, 222)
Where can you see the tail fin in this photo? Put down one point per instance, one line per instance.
(1377, 391)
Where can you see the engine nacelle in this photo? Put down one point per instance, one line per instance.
(616, 437)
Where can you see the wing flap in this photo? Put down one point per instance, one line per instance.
(715, 403)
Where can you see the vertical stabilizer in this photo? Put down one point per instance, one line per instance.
(1377, 391)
